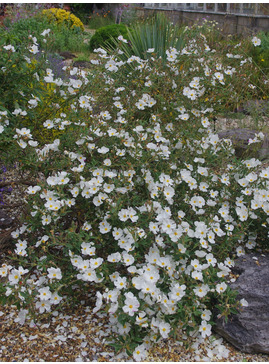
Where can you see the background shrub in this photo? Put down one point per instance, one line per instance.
(102, 36)
(62, 37)
(63, 17)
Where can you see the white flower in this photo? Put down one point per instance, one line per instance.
(114, 258)
(104, 227)
(164, 328)
(140, 105)
(45, 32)
(119, 106)
(168, 192)
(242, 213)
(219, 76)
(34, 49)
(120, 282)
(131, 304)
(117, 233)
(123, 215)
(55, 298)
(197, 275)
(3, 271)
(54, 205)
(87, 248)
(22, 144)
(190, 93)
(127, 258)
(103, 150)
(9, 48)
(33, 190)
(206, 314)
(14, 276)
(211, 260)
(21, 252)
(33, 143)
(205, 329)
(54, 273)
(132, 214)
(240, 251)
(140, 353)
(202, 290)
(265, 173)
(221, 287)
(95, 263)
(243, 302)
(44, 293)
(43, 306)
(171, 56)
(141, 319)
(33, 102)
(24, 132)
(111, 66)
(177, 292)
(48, 124)
(256, 41)
(122, 39)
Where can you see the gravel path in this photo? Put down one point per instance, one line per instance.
(79, 335)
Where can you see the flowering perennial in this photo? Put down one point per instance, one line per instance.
(141, 200)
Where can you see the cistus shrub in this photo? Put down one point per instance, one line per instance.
(102, 36)
(22, 28)
(63, 17)
(139, 199)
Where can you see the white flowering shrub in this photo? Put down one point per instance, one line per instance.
(140, 200)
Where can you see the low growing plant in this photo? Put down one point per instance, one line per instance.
(138, 199)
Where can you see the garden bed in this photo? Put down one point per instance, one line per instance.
(130, 193)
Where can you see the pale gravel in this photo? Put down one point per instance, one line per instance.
(79, 335)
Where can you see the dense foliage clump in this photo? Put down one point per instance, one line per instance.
(102, 36)
(63, 17)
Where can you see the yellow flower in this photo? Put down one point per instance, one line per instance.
(61, 16)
